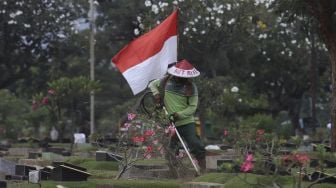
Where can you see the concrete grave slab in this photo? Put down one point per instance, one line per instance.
(52, 156)
(7, 167)
(34, 162)
(203, 185)
(22, 151)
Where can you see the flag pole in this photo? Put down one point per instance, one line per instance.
(178, 33)
(92, 63)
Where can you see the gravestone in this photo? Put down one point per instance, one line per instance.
(322, 177)
(3, 184)
(211, 161)
(23, 170)
(315, 163)
(58, 163)
(45, 175)
(66, 173)
(7, 167)
(106, 156)
(79, 138)
(34, 176)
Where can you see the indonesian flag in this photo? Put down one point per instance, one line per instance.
(147, 57)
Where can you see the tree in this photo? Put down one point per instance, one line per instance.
(324, 13)
(29, 35)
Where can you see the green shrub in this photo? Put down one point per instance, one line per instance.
(259, 121)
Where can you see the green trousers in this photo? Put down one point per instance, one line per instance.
(188, 133)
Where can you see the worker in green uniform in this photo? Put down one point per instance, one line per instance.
(179, 94)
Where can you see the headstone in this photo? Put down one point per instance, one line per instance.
(34, 176)
(330, 164)
(211, 161)
(7, 167)
(3, 184)
(322, 177)
(66, 173)
(54, 134)
(59, 163)
(106, 156)
(45, 174)
(23, 170)
(80, 138)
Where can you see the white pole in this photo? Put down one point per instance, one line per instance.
(184, 146)
(92, 62)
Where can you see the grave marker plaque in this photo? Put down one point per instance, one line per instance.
(66, 173)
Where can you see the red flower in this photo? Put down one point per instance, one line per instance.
(226, 133)
(138, 139)
(51, 92)
(247, 165)
(260, 134)
(299, 158)
(34, 105)
(131, 116)
(149, 149)
(170, 130)
(45, 100)
(149, 133)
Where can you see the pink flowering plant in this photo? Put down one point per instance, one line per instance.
(142, 137)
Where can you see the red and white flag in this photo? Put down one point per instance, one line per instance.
(147, 58)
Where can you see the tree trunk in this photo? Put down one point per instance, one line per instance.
(332, 52)
(323, 11)
(294, 114)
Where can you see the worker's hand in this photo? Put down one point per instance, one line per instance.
(173, 117)
(158, 102)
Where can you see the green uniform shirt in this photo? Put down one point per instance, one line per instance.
(177, 100)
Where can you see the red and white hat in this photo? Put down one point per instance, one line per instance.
(183, 69)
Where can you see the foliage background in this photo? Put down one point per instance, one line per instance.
(257, 64)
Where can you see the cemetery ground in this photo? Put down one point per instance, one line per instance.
(103, 173)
